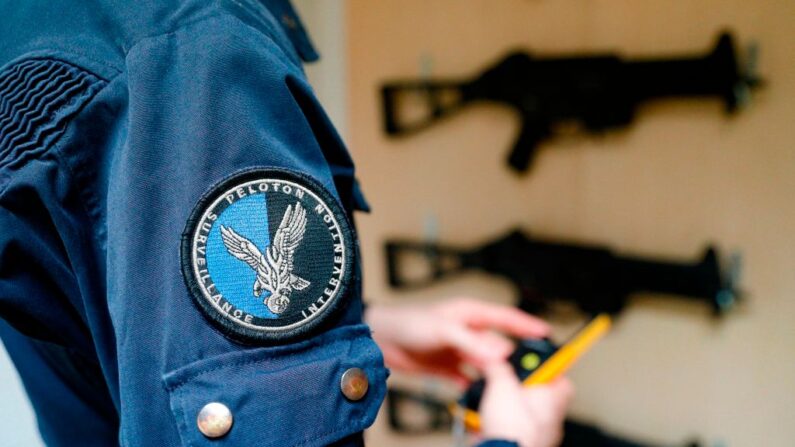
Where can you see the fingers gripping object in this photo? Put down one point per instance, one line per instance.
(536, 362)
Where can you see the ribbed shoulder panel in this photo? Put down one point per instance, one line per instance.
(37, 99)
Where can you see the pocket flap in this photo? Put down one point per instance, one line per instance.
(285, 395)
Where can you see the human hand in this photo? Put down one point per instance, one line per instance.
(440, 338)
(530, 416)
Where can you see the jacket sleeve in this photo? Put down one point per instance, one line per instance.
(227, 200)
(497, 443)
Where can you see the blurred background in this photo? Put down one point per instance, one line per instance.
(681, 176)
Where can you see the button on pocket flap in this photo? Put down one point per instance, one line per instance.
(309, 393)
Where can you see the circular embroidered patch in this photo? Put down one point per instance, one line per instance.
(267, 255)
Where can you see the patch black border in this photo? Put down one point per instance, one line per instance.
(227, 326)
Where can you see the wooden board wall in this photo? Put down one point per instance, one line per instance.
(682, 176)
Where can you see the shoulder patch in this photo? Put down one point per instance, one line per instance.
(267, 255)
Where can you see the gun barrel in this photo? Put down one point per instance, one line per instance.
(702, 280)
(716, 74)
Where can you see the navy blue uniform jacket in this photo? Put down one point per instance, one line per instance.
(116, 117)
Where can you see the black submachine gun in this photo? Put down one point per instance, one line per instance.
(594, 92)
(592, 277)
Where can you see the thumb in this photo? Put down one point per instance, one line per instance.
(501, 384)
(502, 410)
(500, 372)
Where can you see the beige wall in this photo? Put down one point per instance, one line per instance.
(682, 176)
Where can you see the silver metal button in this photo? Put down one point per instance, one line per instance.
(354, 384)
(214, 420)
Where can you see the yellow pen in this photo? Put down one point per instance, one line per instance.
(554, 366)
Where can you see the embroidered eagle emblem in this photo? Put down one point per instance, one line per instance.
(275, 268)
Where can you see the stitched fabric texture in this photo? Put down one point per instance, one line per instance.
(37, 97)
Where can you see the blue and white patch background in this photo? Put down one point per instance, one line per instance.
(221, 273)
(233, 278)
